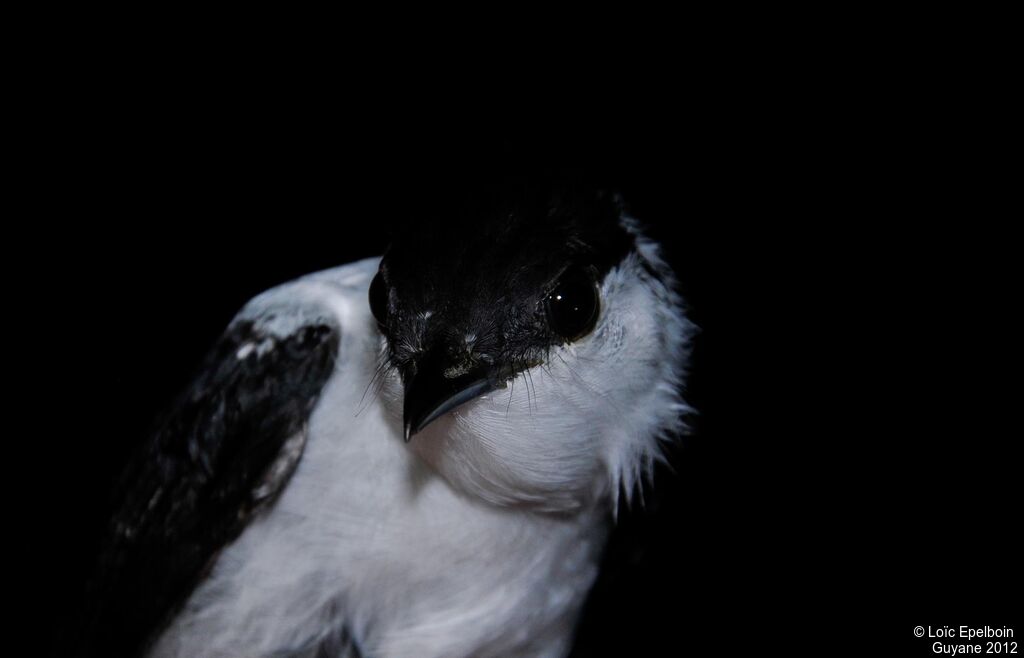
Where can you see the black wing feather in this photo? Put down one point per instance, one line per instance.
(211, 464)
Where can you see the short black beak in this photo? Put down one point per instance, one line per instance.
(429, 394)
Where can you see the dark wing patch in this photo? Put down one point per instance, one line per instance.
(225, 450)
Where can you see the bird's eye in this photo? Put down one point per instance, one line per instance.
(572, 306)
(379, 298)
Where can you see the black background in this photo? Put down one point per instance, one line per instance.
(847, 477)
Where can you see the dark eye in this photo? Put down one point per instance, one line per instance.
(573, 304)
(379, 298)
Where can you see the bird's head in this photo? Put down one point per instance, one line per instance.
(536, 348)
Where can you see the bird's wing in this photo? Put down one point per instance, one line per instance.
(223, 452)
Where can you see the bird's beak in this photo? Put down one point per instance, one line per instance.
(429, 394)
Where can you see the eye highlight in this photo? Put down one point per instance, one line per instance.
(572, 305)
(379, 299)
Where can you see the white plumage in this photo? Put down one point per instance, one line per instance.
(483, 534)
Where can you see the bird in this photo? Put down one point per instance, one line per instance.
(415, 454)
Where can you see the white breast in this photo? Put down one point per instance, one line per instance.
(367, 538)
